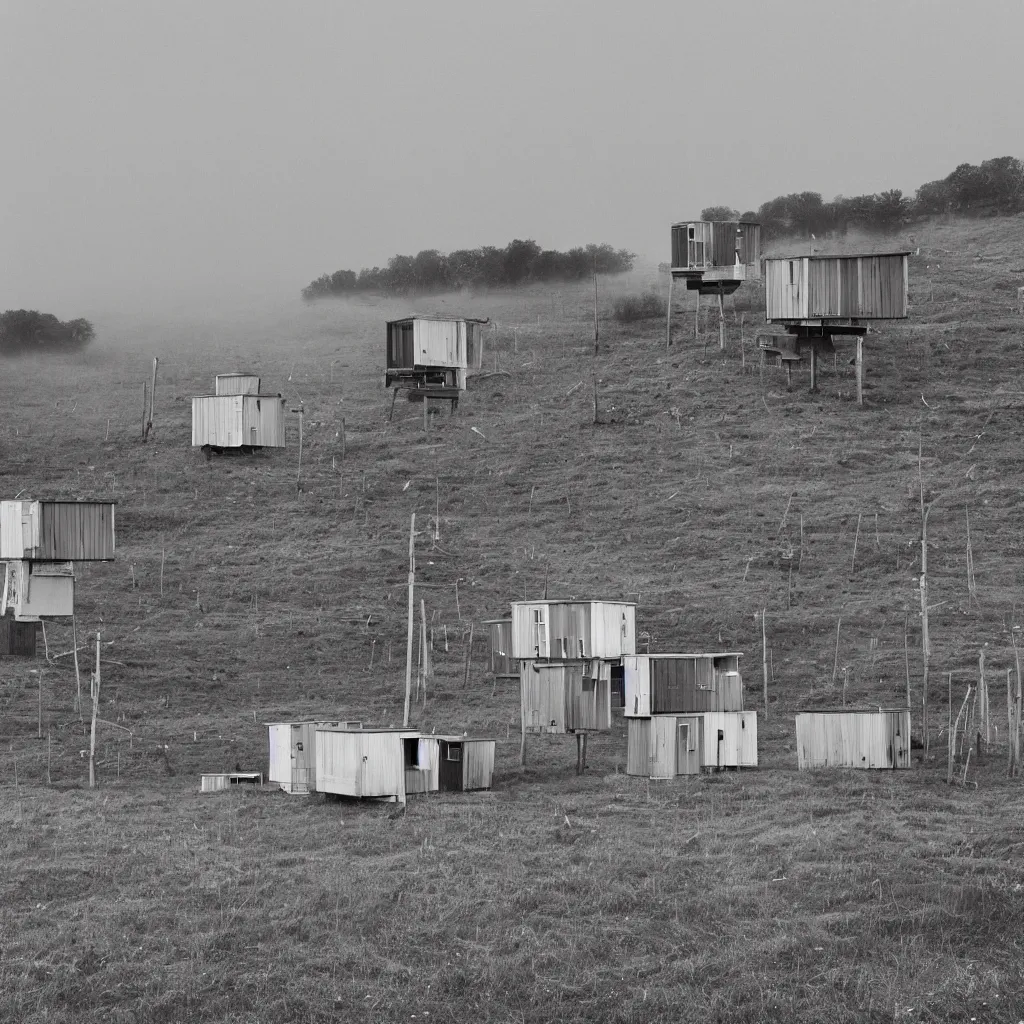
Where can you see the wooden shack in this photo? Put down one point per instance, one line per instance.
(565, 696)
(573, 630)
(243, 421)
(665, 746)
(659, 684)
(845, 738)
(716, 256)
(293, 753)
(464, 763)
(216, 782)
(57, 531)
(236, 384)
(502, 664)
(836, 291)
(730, 739)
(433, 353)
(17, 639)
(38, 590)
(367, 763)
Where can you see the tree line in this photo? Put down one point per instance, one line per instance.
(27, 330)
(430, 271)
(992, 187)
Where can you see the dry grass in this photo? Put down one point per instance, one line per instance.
(759, 896)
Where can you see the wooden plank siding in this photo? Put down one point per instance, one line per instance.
(564, 697)
(730, 739)
(231, 421)
(717, 244)
(293, 752)
(17, 639)
(861, 287)
(38, 590)
(500, 654)
(57, 531)
(658, 684)
(362, 763)
(853, 739)
(664, 746)
(573, 629)
(236, 384)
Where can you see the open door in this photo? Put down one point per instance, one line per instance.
(450, 777)
(300, 758)
(689, 733)
(663, 748)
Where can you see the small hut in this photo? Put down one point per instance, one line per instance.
(293, 753)
(57, 531)
(431, 354)
(236, 384)
(659, 684)
(464, 763)
(503, 665)
(39, 590)
(565, 696)
(844, 738)
(17, 639)
(369, 763)
(664, 746)
(573, 630)
(245, 422)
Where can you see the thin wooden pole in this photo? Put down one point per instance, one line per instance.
(522, 714)
(298, 475)
(1011, 767)
(853, 563)
(950, 742)
(152, 397)
(145, 407)
(424, 647)
(835, 660)
(39, 707)
(95, 713)
(668, 316)
(764, 657)
(696, 318)
(78, 678)
(814, 367)
(596, 331)
(983, 695)
(925, 644)
(860, 371)
(469, 657)
(721, 319)
(906, 660)
(409, 630)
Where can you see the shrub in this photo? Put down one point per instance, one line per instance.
(23, 330)
(630, 308)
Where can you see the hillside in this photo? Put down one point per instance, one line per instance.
(706, 493)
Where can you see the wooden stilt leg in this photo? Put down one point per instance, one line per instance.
(814, 367)
(394, 395)
(579, 753)
(721, 320)
(860, 371)
(696, 320)
(585, 751)
(668, 318)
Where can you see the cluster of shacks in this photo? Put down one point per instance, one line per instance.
(345, 759)
(40, 541)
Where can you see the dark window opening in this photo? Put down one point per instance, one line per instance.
(589, 685)
(454, 752)
(411, 753)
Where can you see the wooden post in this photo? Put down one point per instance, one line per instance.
(721, 319)
(585, 751)
(408, 644)
(469, 657)
(391, 412)
(522, 718)
(424, 647)
(764, 657)
(48, 756)
(145, 407)
(983, 696)
(152, 397)
(906, 662)
(78, 678)
(39, 707)
(298, 475)
(579, 753)
(95, 713)
(860, 371)
(951, 744)
(668, 318)
(925, 645)
(696, 318)
(1011, 767)
(814, 367)
(835, 660)
(426, 414)
(596, 334)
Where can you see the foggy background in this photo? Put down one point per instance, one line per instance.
(227, 153)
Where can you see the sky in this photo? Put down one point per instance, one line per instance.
(181, 151)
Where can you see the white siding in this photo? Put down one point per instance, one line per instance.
(230, 421)
(438, 343)
(738, 746)
(38, 591)
(361, 764)
(237, 384)
(637, 671)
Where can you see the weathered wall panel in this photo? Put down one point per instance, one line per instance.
(17, 639)
(236, 384)
(57, 531)
(853, 739)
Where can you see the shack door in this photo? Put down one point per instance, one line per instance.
(301, 759)
(689, 734)
(663, 747)
(450, 776)
(698, 239)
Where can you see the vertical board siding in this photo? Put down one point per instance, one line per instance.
(217, 421)
(236, 384)
(40, 590)
(856, 287)
(720, 242)
(362, 764)
(682, 684)
(477, 764)
(663, 747)
(574, 629)
(502, 662)
(57, 531)
(738, 746)
(638, 741)
(263, 421)
(853, 739)
(17, 639)
(437, 343)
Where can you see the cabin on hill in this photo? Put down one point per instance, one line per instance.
(236, 384)
(502, 664)
(664, 746)
(818, 297)
(846, 738)
(713, 258)
(430, 355)
(34, 591)
(293, 753)
(57, 531)
(17, 639)
(660, 684)
(575, 630)
(244, 422)
(565, 697)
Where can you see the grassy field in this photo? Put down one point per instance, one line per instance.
(707, 492)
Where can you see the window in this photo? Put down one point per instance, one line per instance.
(454, 752)
(410, 752)
(589, 685)
(540, 633)
(580, 642)
(690, 233)
(791, 281)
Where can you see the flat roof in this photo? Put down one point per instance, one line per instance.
(697, 220)
(574, 600)
(369, 729)
(838, 255)
(310, 721)
(852, 711)
(460, 739)
(491, 622)
(262, 394)
(64, 501)
(440, 316)
(238, 373)
(701, 654)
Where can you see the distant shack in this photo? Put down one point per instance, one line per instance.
(244, 422)
(57, 530)
(293, 752)
(236, 384)
(847, 738)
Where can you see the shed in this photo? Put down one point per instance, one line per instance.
(293, 753)
(57, 531)
(236, 384)
(836, 291)
(576, 630)
(565, 696)
(665, 746)
(39, 590)
(715, 253)
(433, 352)
(214, 782)
(502, 662)
(17, 639)
(238, 421)
(659, 684)
(844, 738)
(365, 762)
(465, 763)
(730, 739)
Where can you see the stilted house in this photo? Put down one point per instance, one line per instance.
(244, 422)
(502, 664)
(661, 684)
(663, 746)
(818, 297)
(713, 258)
(236, 384)
(293, 753)
(431, 354)
(367, 763)
(34, 591)
(844, 738)
(578, 630)
(17, 639)
(57, 531)
(565, 696)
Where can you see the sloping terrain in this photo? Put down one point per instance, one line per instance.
(706, 492)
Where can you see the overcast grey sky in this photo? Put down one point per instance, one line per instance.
(162, 151)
